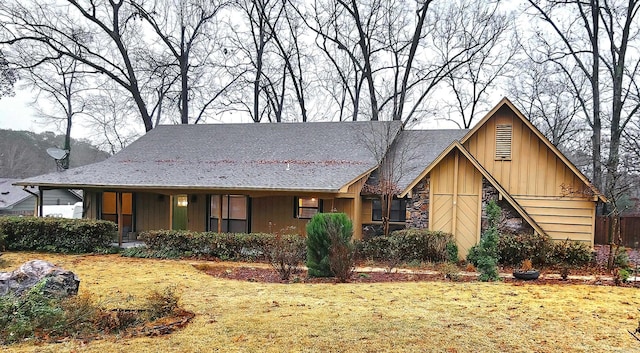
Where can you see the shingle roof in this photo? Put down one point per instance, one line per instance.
(10, 194)
(415, 150)
(319, 156)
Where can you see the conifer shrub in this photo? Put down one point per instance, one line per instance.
(484, 255)
(321, 230)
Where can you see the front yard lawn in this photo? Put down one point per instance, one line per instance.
(239, 316)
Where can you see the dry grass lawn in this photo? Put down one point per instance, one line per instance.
(233, 316)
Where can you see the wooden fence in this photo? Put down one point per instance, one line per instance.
(629, 231)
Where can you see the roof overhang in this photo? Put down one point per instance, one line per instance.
(176, 187)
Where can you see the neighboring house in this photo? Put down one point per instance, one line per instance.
(14, 200)
(266, 177)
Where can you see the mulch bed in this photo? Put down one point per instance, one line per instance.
(268, 275)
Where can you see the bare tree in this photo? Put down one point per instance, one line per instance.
(8, 77)
(402, 50)
(186, 29)
(473, 81)
(579, 28)
(60, 82)
(578, 45)
(106, 117)
(548, 101)
(109, 44)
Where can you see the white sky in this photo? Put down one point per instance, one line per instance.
(16, 113)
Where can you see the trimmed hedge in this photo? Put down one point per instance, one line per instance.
(515, 248)
(183, 243)
(409, 245)
(56, 234)
(542, 251)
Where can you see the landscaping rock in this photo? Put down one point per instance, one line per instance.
(59, 282)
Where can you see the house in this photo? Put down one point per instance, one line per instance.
(266, 177)
(15, 200)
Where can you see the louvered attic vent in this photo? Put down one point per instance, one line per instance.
(503, 142)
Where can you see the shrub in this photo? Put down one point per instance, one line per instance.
(36, 315)
(182, 243)
(485, 254)
(450, 271)
(319, 240)
(452, 251)
(571, 253)
(380, 249)
(56, 234)
(410, 245)
(286, 253)
(375, 249)
(515, 248)
(422, 245)
(341, 250)
(161, 303)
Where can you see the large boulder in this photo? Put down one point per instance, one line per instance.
(58, 282)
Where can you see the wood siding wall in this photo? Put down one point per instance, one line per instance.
(455, 190)
(271, 214)
(536, 178)
(152, 212)
(197, 212)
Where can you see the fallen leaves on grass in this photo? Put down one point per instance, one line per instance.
(434, 316)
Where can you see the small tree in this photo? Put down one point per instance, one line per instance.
(322, 228)
(485, 255)
(341, 250)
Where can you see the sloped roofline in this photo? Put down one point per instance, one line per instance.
(505, 101)
(457, 145)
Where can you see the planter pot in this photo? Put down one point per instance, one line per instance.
(526, 275)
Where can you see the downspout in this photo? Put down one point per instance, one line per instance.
(38, 197)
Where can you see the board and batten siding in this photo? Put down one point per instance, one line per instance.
(456, 187)
(536, 178)
(271, 214)
(152, 211)
(197, 212)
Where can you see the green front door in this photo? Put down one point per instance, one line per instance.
(180, 217)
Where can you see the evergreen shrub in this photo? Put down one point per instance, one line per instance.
(61, 235)
(321, 230)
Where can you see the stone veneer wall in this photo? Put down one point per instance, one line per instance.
(511, 221)
(418, 206)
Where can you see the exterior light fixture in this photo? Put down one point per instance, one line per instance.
(182, 201)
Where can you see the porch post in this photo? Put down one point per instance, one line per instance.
(357, 216)
(40, 202)
(119, 211)
(220, 198)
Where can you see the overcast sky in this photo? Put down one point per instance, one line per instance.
(16, 114)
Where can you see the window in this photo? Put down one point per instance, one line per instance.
(109, 212)
(398, 210)
(233, 211)
(306, 207)
(503, 142)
